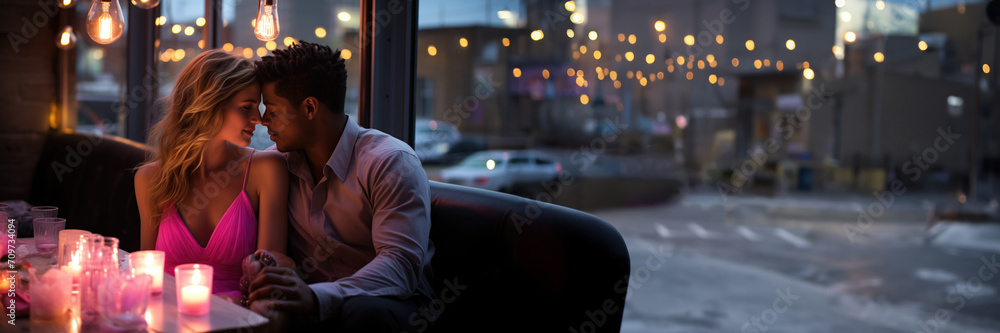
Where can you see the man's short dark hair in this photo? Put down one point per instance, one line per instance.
(305, 69)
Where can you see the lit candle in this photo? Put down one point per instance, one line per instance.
(149, 262)
(68, 242)
(194, 282)
(5, 283)
(193, 299)
(69, 252)
(72, 267)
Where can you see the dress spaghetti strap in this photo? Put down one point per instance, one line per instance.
(247, 172)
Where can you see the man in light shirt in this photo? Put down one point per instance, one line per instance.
(359, 208)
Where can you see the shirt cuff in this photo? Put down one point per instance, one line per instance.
(328, 300)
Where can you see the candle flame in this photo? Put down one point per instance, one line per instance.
(196, 277)
(75, 324)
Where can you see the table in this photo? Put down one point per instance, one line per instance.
(161, 315)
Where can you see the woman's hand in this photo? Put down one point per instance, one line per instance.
(230, 299)
(283, 260)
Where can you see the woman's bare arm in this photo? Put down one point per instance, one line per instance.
(271, 174)
(147, 230)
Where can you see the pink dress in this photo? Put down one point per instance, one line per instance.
(234, 238)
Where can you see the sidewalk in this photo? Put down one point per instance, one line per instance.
(696, 293)
(939, 217)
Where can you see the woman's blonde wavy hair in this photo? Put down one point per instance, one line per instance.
(194, 114)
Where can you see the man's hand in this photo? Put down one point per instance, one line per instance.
(284, 290)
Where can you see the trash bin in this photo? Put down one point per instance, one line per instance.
(805, 178)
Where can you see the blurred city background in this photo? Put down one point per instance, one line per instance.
(774, 165)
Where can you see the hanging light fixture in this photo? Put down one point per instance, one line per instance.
(266, 25)
(145, 4)
(66, 39)
(66, 3)
(105, 23)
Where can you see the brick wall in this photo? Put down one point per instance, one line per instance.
(29, 86)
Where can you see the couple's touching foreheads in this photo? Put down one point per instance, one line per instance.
(328, 229)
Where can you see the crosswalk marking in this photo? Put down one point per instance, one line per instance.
(748, 234)
(791, 238)
(698, 230)
(662, 230)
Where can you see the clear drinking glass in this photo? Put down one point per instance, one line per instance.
(110, 255)
(9, 224)
(47, 234)
(44, 211)
(95, 270)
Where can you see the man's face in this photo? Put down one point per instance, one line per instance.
(286, 123)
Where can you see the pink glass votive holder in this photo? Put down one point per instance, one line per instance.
(50, 293)
(194, 288)
(151, 263)
(122, 300)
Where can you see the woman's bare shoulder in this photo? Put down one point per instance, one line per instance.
(268, 163)
(146, 171)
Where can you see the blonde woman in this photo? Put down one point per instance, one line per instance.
(204, 197)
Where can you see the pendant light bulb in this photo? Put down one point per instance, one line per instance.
(145, 4)
(105, 23)
(66, 39)
(266, 27)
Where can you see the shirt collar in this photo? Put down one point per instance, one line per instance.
(340, 161)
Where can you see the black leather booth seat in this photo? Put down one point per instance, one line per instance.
(90, 178)
(502, 263)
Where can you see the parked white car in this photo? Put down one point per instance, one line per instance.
(504, 171)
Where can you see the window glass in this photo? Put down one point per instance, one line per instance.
(333, 23)
(100, 75)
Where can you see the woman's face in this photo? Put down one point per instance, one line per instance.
(241, 116)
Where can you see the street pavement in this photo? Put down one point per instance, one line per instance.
(809, 262)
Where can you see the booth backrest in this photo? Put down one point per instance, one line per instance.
(90, 178)
(526, 266)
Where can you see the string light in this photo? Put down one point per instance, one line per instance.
(808, 73)
(67, 39)
(145, 4)
(537, 35)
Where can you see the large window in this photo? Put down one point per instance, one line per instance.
(775, 142)
(101, 68)
(100, 74)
